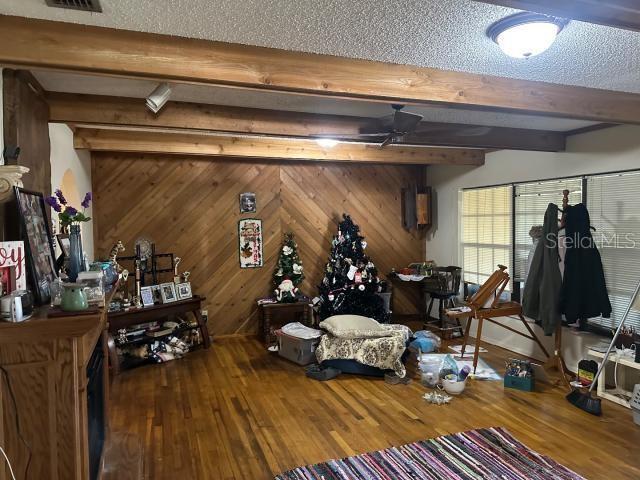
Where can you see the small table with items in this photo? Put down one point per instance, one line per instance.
(443, 285)
(275, 315)
(123, 319)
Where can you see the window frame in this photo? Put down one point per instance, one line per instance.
(516, 287)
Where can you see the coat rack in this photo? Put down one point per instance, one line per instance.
(557, 360)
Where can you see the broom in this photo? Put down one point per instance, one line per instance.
(585, 401)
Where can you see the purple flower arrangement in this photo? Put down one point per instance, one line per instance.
(67, 214)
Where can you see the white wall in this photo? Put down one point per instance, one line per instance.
(616, 148)
(65, 158)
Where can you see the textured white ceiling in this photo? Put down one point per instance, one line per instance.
(73, 83)
(447, 34)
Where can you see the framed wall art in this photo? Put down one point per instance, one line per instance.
(248, 202)
(38, 243)
(250, 242)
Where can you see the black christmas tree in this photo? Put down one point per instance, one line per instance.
(350, 282)
(289, 271)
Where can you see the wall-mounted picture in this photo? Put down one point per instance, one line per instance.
(248, 202)
(168, 292)
(38, 242)
(184, 291)
(250, 242)
(146, 294)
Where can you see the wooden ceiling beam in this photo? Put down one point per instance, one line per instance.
(107, 110)
(96, 50)
(268, 148)
(99, 111)
(612, 13)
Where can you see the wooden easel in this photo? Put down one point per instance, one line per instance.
(556, 362)
(492, 288)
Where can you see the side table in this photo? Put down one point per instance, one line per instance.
(275, 315)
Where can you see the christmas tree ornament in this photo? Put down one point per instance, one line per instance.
(289, 271)
(286, 292)
(352, 272)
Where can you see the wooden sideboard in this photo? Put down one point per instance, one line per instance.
(46, 360)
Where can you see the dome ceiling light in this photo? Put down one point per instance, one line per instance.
(525, 35)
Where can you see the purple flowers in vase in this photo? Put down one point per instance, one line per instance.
(67, 214)
(70, 219)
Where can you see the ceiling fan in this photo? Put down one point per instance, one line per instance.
(402, 126)
(394, 126)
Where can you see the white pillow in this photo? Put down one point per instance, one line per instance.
(354, 326)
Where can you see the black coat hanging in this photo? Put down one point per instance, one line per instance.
(584, 291)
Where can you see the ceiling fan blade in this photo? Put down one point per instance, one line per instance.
(405, 122)
(474, 131)
(381, 126)
(387, 140)
(453, 129)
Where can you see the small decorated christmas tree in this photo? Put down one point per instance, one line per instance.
(350, 280)
(289, 272)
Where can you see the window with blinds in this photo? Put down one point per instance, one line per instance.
(531, 201)
(486, 227)
(614, 208)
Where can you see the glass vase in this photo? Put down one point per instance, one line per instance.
(75, 253)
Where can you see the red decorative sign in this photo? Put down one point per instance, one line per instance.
(12, 266)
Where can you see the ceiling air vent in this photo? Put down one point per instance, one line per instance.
(84, 5)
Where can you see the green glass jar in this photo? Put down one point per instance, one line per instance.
(74, 299)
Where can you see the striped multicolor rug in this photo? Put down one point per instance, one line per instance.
(478, 454)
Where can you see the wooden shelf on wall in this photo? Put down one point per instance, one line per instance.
(416, 208)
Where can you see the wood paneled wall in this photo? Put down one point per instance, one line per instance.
(189, 206)
(26, 125)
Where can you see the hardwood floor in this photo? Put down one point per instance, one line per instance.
(238, 412)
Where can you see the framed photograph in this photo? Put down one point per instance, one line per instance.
(63, 242)
(38, 243)
(146, 294)
(155, 290)
(168, 292)
(184, 290)
(248, 202)
(250, 242)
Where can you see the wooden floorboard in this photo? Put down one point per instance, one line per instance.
(237, 412)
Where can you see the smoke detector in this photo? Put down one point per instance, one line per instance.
(83, 5)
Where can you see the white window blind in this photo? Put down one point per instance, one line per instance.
(614, 208)
(531, 203)
(486, 227)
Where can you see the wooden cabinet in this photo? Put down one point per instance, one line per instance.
(45, 361)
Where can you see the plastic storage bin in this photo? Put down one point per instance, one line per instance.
(430, 369)
(298, 350)
(526, 384)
